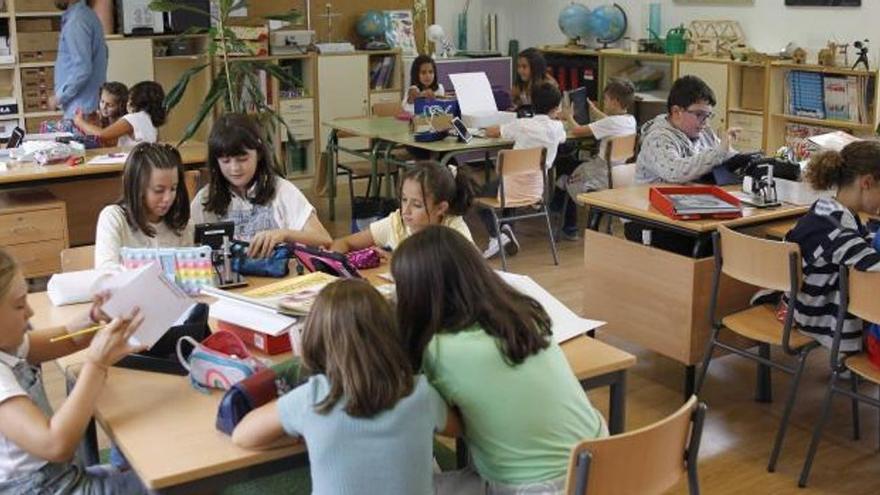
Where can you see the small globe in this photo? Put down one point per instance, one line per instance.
(574, 21)
(608, 23)
(372, 24)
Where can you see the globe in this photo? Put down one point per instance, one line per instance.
(372, 24)
(608, 23)
(574, 21)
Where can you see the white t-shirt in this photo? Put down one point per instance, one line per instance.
(390, 231)
(539, 131)
(410, 107)
(113, 233)
(15, 462)
(143, 130)
(289, 209)
(612, 126)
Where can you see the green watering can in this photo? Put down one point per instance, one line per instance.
(676, 40)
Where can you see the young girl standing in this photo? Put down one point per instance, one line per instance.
(531, 70)
(430, 194)
(368, 421)
(245, 188)
(153, 210)
(489, 352)
(831, 234)
(423, 82)
(36, 445)
(146, 112)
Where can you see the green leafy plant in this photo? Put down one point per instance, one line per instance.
(236, 82)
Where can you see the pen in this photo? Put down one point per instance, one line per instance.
(84, 331)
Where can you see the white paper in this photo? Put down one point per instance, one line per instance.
(566, 324)
(251, 316)
(111, 159)
(798, 193)
(74, 287)
(162, 304)
(474, 93)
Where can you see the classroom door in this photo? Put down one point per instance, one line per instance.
(715, 75)
(343, 91)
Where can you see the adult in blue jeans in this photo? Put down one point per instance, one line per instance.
(81, 67)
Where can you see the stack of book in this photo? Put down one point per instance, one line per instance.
(382, 72)
(828, 96)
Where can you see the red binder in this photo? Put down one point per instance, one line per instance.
(661, 198)
(267, 343)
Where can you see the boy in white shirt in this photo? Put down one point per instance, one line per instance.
(540, 131)
(592, 175)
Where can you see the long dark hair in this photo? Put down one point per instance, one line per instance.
(139, 166)
(414, 73)
(148, 96)
(537, 68)
(351, 337)
(444, 286)
(120, 92)
(439, 183)
(233, 135)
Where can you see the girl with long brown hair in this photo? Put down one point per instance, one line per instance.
(367, 419)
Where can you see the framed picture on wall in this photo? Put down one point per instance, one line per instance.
(825, 3)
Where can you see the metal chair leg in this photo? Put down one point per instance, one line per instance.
(854, 386)
(710, 348)
(550, 234)
(789, 405)
(817, 432)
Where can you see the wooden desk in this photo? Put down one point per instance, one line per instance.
(166, 430)
(653, 297)
(85, 189)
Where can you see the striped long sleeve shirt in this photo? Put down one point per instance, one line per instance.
(829, 236)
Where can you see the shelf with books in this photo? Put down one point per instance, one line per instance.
(841, 124)
(385, 71)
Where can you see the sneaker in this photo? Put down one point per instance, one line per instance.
(569, 235)
(493, 248)
(508, 240)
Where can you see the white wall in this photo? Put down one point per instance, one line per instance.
(768, 24)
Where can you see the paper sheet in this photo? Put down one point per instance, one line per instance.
(566, 324)
(74, 287)
(474, 93)
(111, 159)
(161, 303)
(256, 318)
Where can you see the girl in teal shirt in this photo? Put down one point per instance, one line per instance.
(489, 351)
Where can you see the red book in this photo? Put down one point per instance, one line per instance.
(267, 343)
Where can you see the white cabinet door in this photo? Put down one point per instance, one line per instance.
(342, 91)
(130, 60)
(715, 75)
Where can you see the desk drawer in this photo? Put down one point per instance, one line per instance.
(298, 106)
(31, 226)
(38, 258)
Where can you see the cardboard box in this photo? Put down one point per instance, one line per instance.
(35, 6)
(752, 95)
(34, 25)
(37, 73)
(267, 343)
(39, 41)
(47, 56)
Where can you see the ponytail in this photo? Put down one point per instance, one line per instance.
(443, 183)
(835, 169)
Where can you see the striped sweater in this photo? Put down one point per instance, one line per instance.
(829, 236)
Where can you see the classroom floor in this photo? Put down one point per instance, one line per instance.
(739, 431)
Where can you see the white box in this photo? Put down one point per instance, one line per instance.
(488, 119)
(136, 14)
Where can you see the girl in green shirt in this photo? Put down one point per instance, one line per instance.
(489, 351)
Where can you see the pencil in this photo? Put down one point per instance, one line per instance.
(84, 331)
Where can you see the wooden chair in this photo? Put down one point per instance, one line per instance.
(770, 265)
(191, 179)
(858, 296)
(664, 452)
(78, 258)
(621, 150)
(510, 164)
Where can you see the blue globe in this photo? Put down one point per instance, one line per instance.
(372, 24)
(574, 21)
(608, 23)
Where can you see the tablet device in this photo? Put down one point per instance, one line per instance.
(461, 130)
(15, 138)
(578, 99)
(212, 234)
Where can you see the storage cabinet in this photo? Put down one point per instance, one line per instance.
(33, 228)
(344, 92)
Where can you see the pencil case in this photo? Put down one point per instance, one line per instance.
(257, 390)
(219, 361)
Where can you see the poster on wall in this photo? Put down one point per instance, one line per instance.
(825, 3)
(400, 31)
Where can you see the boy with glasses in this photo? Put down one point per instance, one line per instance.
(680, 146)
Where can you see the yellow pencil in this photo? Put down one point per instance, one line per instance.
(84, 331)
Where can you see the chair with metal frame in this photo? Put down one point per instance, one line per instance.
(666, 450)
(513, 163)
(858, 297)
(770, 265)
